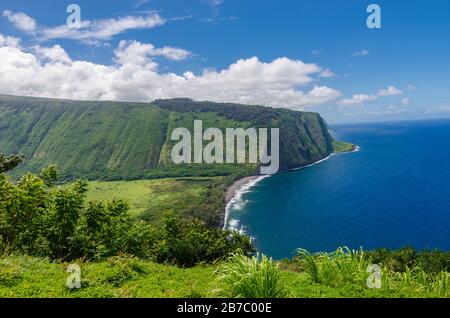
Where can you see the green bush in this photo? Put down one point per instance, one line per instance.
(433, 261)
(250, 277)
(346, 271)
(345, 266)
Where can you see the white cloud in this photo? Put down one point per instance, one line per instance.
(9, 41)
(90, 32)
(358, 99)
(49, 72)
(54, 54)
(104, 29)
(411, 87)
(390, 91)
(361, 53)
(327, 73)
(21, 21)
(137, 53)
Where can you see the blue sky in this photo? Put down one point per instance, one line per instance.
(306, 55)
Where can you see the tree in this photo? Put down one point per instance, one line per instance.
(10, 162)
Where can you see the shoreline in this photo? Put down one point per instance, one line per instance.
(235, 191)
(240, 186)
(355, 149)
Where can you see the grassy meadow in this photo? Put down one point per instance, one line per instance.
(153, 196)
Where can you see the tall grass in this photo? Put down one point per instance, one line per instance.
(249, 277)
(348, 268)
(343, 266)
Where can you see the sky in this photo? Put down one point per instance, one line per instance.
(304, 55)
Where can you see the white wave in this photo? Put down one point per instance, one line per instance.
(237, 203)
(233, 224)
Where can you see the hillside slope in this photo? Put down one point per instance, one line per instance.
(120, 140)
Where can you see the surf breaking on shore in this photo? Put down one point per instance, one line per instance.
(233, 198)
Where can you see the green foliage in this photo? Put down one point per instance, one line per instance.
(340, 146)
(50, 174)
(250, 277)
(433, 261)
(120, 276)
(238, 276)
(10, 162)
(39, 219)
(190, 242)
(346, 272)
(345, 266)
(90, 140)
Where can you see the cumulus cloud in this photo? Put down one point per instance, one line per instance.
(134, 76)
(390, 91)
(358, 99)
(55, 54)
(361, 53)
(21, 21)
(9, 41)
(137, 53)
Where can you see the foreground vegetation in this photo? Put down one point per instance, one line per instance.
(39, 219)
(340, 274)
(179, 252)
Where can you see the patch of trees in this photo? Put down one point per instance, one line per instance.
(38, 218)
(257, 115)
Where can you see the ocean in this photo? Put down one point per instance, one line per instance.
(394, 192)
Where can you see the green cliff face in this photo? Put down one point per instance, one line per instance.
(115, 140)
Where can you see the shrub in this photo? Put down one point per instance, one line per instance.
(250, 277)
(345, 266)
(189, 242)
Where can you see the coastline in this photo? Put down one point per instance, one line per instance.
(236, 186)
(354, 149)
(240, 186)
(235, 191)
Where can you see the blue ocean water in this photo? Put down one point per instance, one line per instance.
(395, 192)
